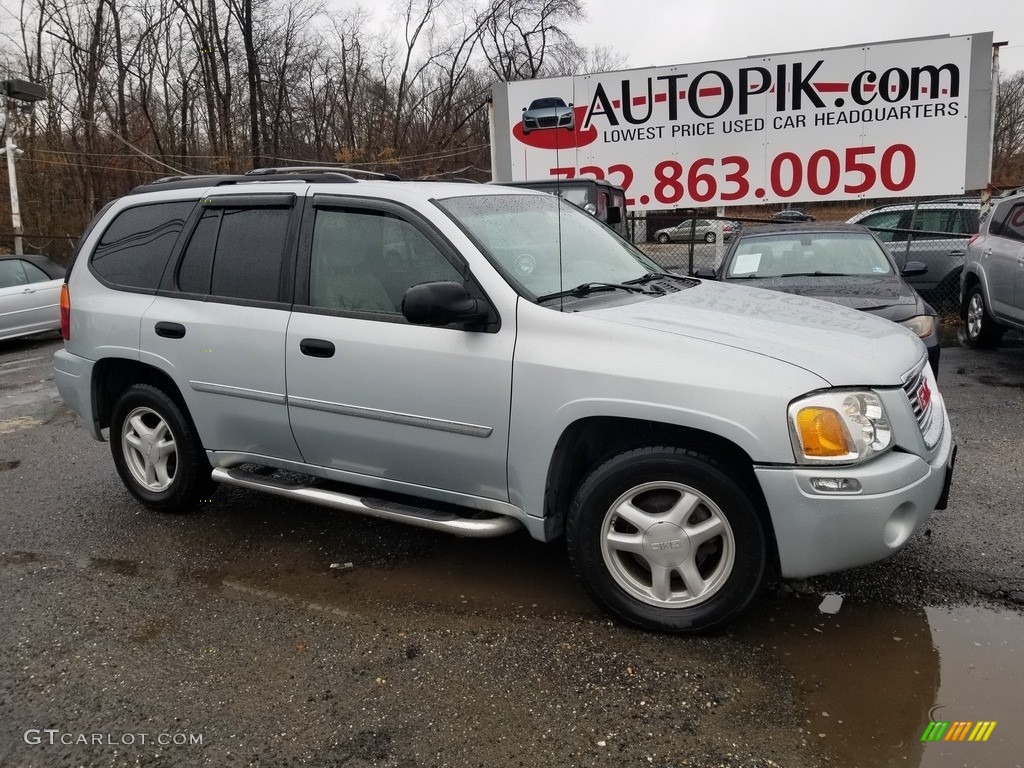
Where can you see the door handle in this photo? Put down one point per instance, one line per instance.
(29, 290)
(316, 348)
(170, 330)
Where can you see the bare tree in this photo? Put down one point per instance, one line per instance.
(1008, 133)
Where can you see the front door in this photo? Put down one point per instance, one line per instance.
(393, 405)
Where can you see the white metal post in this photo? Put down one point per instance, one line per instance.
(11, 150)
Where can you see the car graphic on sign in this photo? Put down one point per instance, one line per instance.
(548, 112)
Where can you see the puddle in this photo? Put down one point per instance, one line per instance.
(873, 677)
(496, 576)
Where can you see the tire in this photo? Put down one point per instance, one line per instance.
(980, 330)
(631, 532)
(663, 238)
(709, 237)
(147, 424)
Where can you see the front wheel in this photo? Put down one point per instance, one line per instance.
(709, 237)
(156, 451)
(667, 539)
(980, 330)
(663, 238)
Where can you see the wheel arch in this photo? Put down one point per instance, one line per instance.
(587, 442)
(113, 375)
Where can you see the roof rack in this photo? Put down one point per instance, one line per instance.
(285, 169)
(333, 175)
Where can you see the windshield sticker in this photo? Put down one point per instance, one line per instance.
(746, 263)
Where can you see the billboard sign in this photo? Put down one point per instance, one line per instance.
(910, 117)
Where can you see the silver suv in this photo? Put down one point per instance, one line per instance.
(933, 232)
(992, 290)
(478, 359)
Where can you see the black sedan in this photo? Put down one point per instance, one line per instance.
(842, 263)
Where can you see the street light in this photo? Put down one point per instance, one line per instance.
(24, 91)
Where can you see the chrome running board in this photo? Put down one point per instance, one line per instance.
(446, 522)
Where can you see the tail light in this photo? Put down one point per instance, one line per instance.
(974, 237)
(65, 312)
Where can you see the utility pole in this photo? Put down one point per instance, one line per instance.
(27, 93)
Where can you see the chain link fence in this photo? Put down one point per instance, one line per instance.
(933, 231)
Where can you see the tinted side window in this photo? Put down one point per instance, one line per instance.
(134, 249)
(1013, 224)
(885, 220)
(250, 252)
(236, 253)
(197, 263)
(366, 260)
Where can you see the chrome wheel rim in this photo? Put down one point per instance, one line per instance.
(149, 449)
(668, 545)
(975, 315)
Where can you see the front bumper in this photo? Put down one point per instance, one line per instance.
(73, 375)
(819, 532)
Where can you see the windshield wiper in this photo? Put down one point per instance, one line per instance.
(584, 288)
(653, 276)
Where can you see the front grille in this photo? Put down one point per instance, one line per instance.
(925, 413)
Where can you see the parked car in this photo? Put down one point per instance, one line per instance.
(992, 290)
(933, 232)
(791, 215)
(842, 263)
(478, 359)
(549, 112)
(707, 230)
(29, 295)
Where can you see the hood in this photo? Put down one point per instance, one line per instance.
(887, 296)
(843, 346)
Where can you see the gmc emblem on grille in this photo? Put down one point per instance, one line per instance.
(924, 395)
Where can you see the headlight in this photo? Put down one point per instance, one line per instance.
(840, 427)
(922, 325)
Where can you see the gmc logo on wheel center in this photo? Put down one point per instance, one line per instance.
(658, 546)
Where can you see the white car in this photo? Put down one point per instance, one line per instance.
(29, 295)
(706, 230)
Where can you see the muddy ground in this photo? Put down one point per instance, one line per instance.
(283, 634)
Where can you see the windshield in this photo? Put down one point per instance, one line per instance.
(800, 253)
(544, 245)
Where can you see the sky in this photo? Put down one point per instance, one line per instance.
(664, 32)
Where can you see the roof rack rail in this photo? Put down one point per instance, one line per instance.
(285, 169)
(219, 180)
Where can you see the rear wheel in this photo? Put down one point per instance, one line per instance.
(667, 539)
(156, 451)
(662, 238)
(980, 330)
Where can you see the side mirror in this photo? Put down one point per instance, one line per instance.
(704, 273)
(914, 268)
(524, 109)
(614, 215)
(443, 303)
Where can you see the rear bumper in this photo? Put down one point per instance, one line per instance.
(825, 532)
(73, 375)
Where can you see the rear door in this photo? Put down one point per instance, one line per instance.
(393, 405)
(218, 323)
(1003, 255)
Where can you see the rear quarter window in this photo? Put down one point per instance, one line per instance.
(134, 249)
